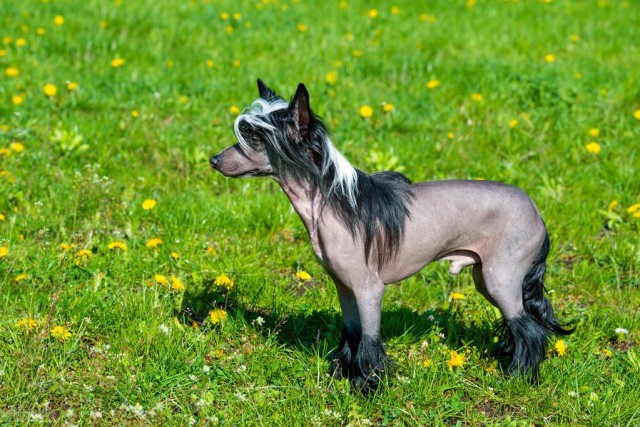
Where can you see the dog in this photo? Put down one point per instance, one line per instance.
(370, 230)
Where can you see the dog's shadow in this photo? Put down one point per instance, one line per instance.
(323, 328)
(319, 331)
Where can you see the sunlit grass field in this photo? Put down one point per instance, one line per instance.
(139, 287)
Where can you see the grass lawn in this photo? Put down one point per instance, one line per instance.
(139, 287)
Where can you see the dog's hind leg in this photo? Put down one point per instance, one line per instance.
(361, 355)
(517, 289)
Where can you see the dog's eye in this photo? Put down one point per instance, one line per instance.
(255, 140)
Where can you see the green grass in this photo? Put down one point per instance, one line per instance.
(133, 356)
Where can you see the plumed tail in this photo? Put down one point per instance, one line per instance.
(535, 303)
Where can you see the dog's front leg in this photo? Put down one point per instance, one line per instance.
(360, 355)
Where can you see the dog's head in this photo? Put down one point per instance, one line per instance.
(273, 136)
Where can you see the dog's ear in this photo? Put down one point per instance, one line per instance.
(300, 111)
(265, 91)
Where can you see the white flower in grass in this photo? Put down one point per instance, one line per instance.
(164, 329)
(622, 331)
(37, 418)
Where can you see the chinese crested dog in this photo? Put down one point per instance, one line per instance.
(369, 230)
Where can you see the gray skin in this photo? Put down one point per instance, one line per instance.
(494, 227)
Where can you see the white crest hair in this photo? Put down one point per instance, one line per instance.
(346, 176)
(345, 179)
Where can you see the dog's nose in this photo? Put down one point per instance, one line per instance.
(214, 161)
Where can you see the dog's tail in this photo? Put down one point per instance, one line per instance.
(528, 335)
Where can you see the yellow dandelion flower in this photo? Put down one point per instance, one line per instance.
(21, 42)
(183, 99)
(513, 123)
(456, 360)
(606, 352)
(228, 29)
(451, 135)
(160, 279)
(612, 205)
(12, 72)
(154, 243)
(302, 28)
(574, 37)
(41, 31)
(549, 57)
(4, 251)
(4, 128)
(395, 10)
(560, 347)
(175, 255)
(148, 204)
(20, 277)
(476, 97)
(303, 275)
(2, 217)
(332, 77)
(117, 245)
(50, 90)
(373, 13)
(211, 250)
(217, 315)
(5, 152)
(636, 114)
(593, 147)
(84, 253)
(234, 110)
(3, 53)
(7, 39)
(236, 63)
(456, 296)
(27, 324)
(634, 210)
(224, 281)
(366, 111)
(72, 86)
(357, 53)
(65, 246)
(427, 363)
(177, 284)
(210, 63)
(135, 114)
(60, 333)
(17, 99)
(58, 20)
(578, 76)
(432, 84)
(595, 132)
(224, 16)
(117, 62)
(387, 107)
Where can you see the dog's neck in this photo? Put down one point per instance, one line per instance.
(307, 202)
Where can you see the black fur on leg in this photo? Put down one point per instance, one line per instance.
(343, 357)
(527, 335)
(360, 358)
(369, 364)
(526, 343)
